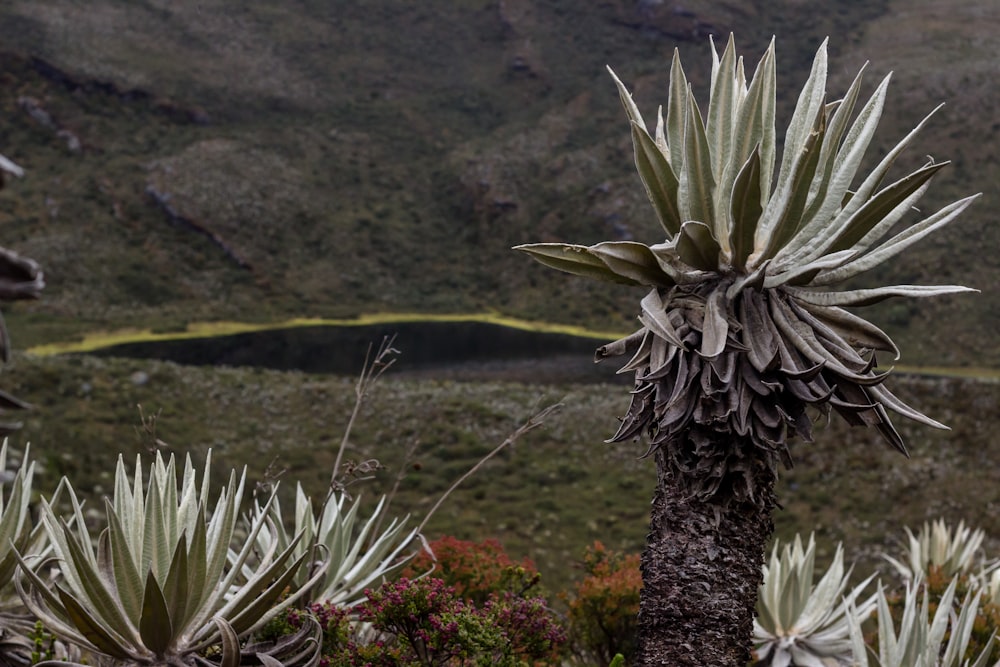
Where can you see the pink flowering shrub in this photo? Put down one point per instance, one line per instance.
(528, 625)
(435, 626)
(424, 622)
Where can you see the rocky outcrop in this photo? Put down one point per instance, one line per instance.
(176, 113)
(42, 117)
(176, 218)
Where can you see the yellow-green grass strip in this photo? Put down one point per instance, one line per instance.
(967, 372)
(98, 340)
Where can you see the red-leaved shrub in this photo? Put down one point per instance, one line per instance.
(476, 570)
(603, 611)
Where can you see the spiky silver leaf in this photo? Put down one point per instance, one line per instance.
(923, 640)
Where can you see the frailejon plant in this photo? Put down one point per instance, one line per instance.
(954, 552)
(157, 586)
(15, 523)
(987, 621)
(800, 622)
(922, 640)
(356, 558)
(740, 332)
(940, 554)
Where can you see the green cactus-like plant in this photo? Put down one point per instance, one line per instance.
(157, 586)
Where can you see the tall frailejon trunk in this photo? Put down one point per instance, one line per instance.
(701, 570)
(740, 329)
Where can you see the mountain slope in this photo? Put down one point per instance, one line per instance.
(257, 160)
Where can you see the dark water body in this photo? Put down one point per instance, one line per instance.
(471, 351)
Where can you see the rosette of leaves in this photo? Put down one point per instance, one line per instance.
(953, 552)
(740, 329)
(156, 586)
(359, 554)
(802, 623)
(922, 641)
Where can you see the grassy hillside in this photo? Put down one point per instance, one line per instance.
(554, 492)
(255, 161)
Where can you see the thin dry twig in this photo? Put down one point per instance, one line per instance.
(272, 474)
(146, 430)
(531, 424)
(371, 372)
(407, 457)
